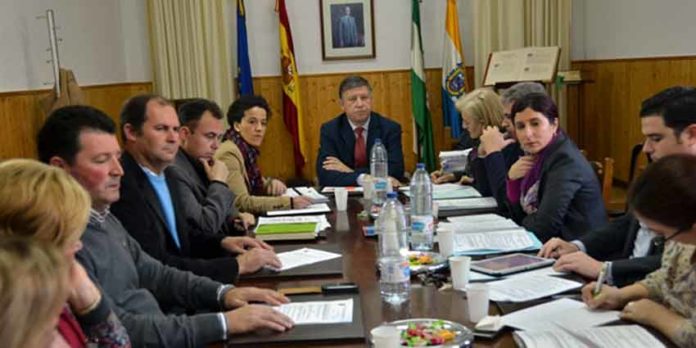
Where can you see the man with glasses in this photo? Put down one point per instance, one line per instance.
(207, 201)
(668, 122)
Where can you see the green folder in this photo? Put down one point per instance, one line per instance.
(301, 227)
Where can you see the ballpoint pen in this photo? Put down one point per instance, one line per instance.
(600, 280)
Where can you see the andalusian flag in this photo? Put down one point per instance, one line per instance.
(453, 73)
(292, 111)
(419, 98)
(245, 84)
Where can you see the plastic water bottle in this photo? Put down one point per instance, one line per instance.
(395, 274)
(380, 172)
(422, 224)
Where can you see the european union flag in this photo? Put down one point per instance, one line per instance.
(246, 86)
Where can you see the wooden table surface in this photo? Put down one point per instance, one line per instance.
(359, 266)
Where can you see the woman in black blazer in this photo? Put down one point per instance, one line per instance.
(552, 190)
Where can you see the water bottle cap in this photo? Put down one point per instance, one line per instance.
(391, 195)
(378, 141)
(420, 166)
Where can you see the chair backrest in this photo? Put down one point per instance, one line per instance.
(605, 174)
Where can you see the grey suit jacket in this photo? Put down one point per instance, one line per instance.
(207, 206)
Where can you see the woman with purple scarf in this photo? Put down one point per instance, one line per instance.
(248, 117)
(552, 190)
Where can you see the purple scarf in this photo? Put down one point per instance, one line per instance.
(529, 187)
(250, 155)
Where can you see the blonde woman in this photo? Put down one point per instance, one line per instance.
(46, 204)
(482, 113)
(33, 289)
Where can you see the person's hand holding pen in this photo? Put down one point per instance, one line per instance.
(608, 297)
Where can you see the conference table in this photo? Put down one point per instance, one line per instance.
(359, 266)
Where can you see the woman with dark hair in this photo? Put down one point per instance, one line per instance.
(664, 199)
(552, 190)
(248, 117)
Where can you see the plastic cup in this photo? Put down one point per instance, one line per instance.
(436, 209)
(459, 267)
(341, 195)
(386, 337)
(445, 242)
(368, 188)
(477, 301)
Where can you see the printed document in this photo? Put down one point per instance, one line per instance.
(498, 240)
(615, 336)
(304, 256)
(522, 289)
(314, 208)
(322, 222)
(319, 312)
(482, 226)
(476, 218)
(467, 203)
(567, 313)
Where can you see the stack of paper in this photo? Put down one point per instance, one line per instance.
(448, 191)
(311, 193)
(617, 336)
(314, 208)
(467, 203)
(488, 234)
(532, 287)
(350, 189)
(454, 161)
(567, 313)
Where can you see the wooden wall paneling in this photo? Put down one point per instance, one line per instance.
(609, 105)
(319, 93)
(21, 119)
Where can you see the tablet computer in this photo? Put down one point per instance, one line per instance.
(508, 264)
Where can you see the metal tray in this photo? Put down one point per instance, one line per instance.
(439, 262)
(464, 336)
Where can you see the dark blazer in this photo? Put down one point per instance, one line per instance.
(338, 140)
(140, 213)
(570, 200)
(207, 206)
(615, 243)
(489, 174)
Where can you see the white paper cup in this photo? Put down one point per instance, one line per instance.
(477, 301)
(368, 188)
(341, 195)
(436, 209)
(386, 337)
(459, 267)
(445, 242)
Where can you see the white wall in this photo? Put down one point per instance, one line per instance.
(104, 41)
(608, 29)
(392, 33)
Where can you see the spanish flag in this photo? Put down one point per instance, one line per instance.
(292, 110)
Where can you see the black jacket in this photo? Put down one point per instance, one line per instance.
(615, 243)
(570, 200)
(140, 213)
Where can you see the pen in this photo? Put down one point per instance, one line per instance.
(600, 280)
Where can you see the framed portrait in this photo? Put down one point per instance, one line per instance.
(347, 29)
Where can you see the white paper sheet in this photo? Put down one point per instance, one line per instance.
(482, 226)
(529, 288)
(319, 312)
(314, 208)
(615, 336)
(312, 194)
(476, 218)
(290, 193)
(321, 220)
(331, 189)
(564, 312)
(467, 203)
(497, 240)
(546, 271)
(304, 256)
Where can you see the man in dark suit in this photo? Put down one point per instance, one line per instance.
(208, 202)
(668, 121)
(150, 207)
(344, 149)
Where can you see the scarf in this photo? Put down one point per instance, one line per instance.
(70, 329)
(529, 187)
(250, 155)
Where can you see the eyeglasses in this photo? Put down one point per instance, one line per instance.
(679, 231)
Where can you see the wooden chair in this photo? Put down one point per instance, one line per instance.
(605, 174)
